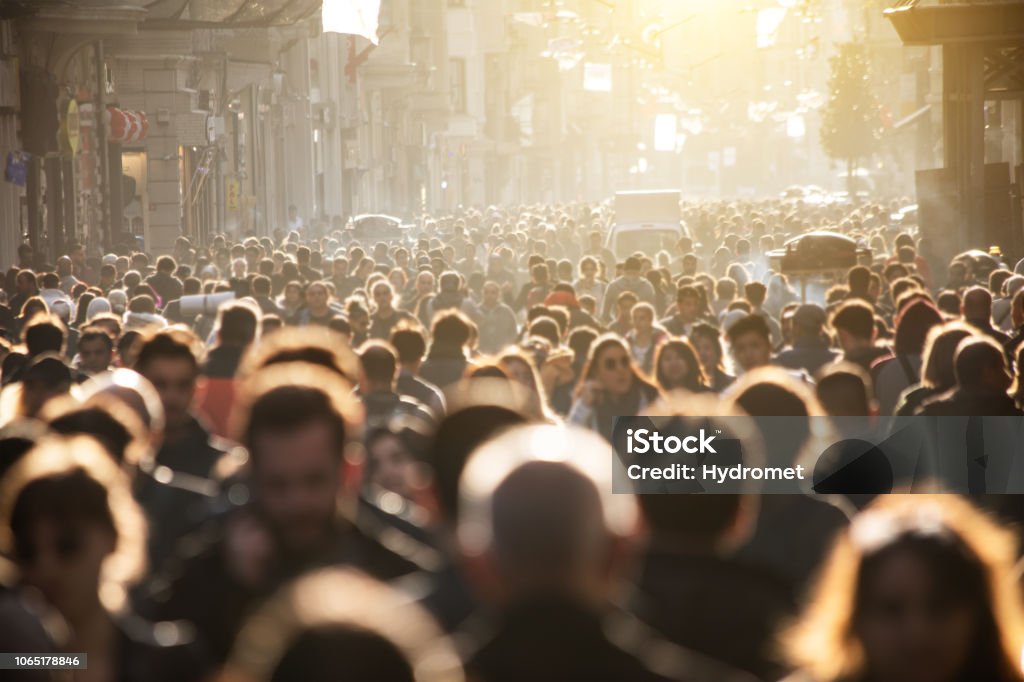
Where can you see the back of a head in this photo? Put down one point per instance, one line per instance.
(339, 624)
(855, 318)
(976, 359)
(538, 500)
(173, 343)
(977, 304)
(755, 292)
(451, 329)
(44, 334)
(379, 362)
(238, 325)
(845, 391)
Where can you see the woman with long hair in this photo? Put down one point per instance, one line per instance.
(918, 589)
(707, 341)
(677, 367)
(611, 386)
(937, 375)
(521, 367)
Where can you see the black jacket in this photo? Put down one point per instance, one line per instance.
(199, 588)
(557, 639)
(719, 606)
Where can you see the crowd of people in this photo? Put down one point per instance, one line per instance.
(317, 457)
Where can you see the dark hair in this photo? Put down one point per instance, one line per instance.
(457, 436)
(174, 343)
(289, 407)
(71, 500)
(855, 317)
(547, 329)
(45, 333)
(409, 344)
(974, 357)
(318, 654)
(261, 285)
(166, 264)
(695, 380)
(237, 324)
(379, 361)
(451, 329)
(751, 324)
(691, 516)
(755, 292)
(91, 333)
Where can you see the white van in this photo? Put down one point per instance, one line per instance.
(646, 221)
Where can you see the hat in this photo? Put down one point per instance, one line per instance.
(110, 259)
(810, 316)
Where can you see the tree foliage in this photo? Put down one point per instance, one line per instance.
(850, 127)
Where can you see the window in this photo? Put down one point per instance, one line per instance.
(457, 83)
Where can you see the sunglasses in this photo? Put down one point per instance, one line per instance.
(611, 364)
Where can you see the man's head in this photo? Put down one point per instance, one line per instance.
(169, 359)
(854, 323)
(410, 346)
(624, 304)
(844, 390)
(688, 302)
(383, 295)
(808, 321)
(492, 294)
(237, 324)
(44, 333)
(166, 265)
(296, 421)
(755, 293)
(380, 363)
(750, 341)
(95, 350)
(318, 298)
(632, 267)
(25, 283)
(981, 363)
(537, 516)
(976, 305)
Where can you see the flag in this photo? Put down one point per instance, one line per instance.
(352, 17)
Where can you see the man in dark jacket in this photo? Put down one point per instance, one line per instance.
(164, 283)
(810, 345)
(296, 429)
(734, 608)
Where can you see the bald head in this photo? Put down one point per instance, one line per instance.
(537, 510)
(977, 305)
(547, 524)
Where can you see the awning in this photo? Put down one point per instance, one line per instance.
(912, 118)
(125, 126)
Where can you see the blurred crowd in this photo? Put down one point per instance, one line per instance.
(324, 456)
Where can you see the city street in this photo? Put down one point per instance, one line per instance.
(512, 340)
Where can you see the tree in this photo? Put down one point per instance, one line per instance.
(850, 127)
